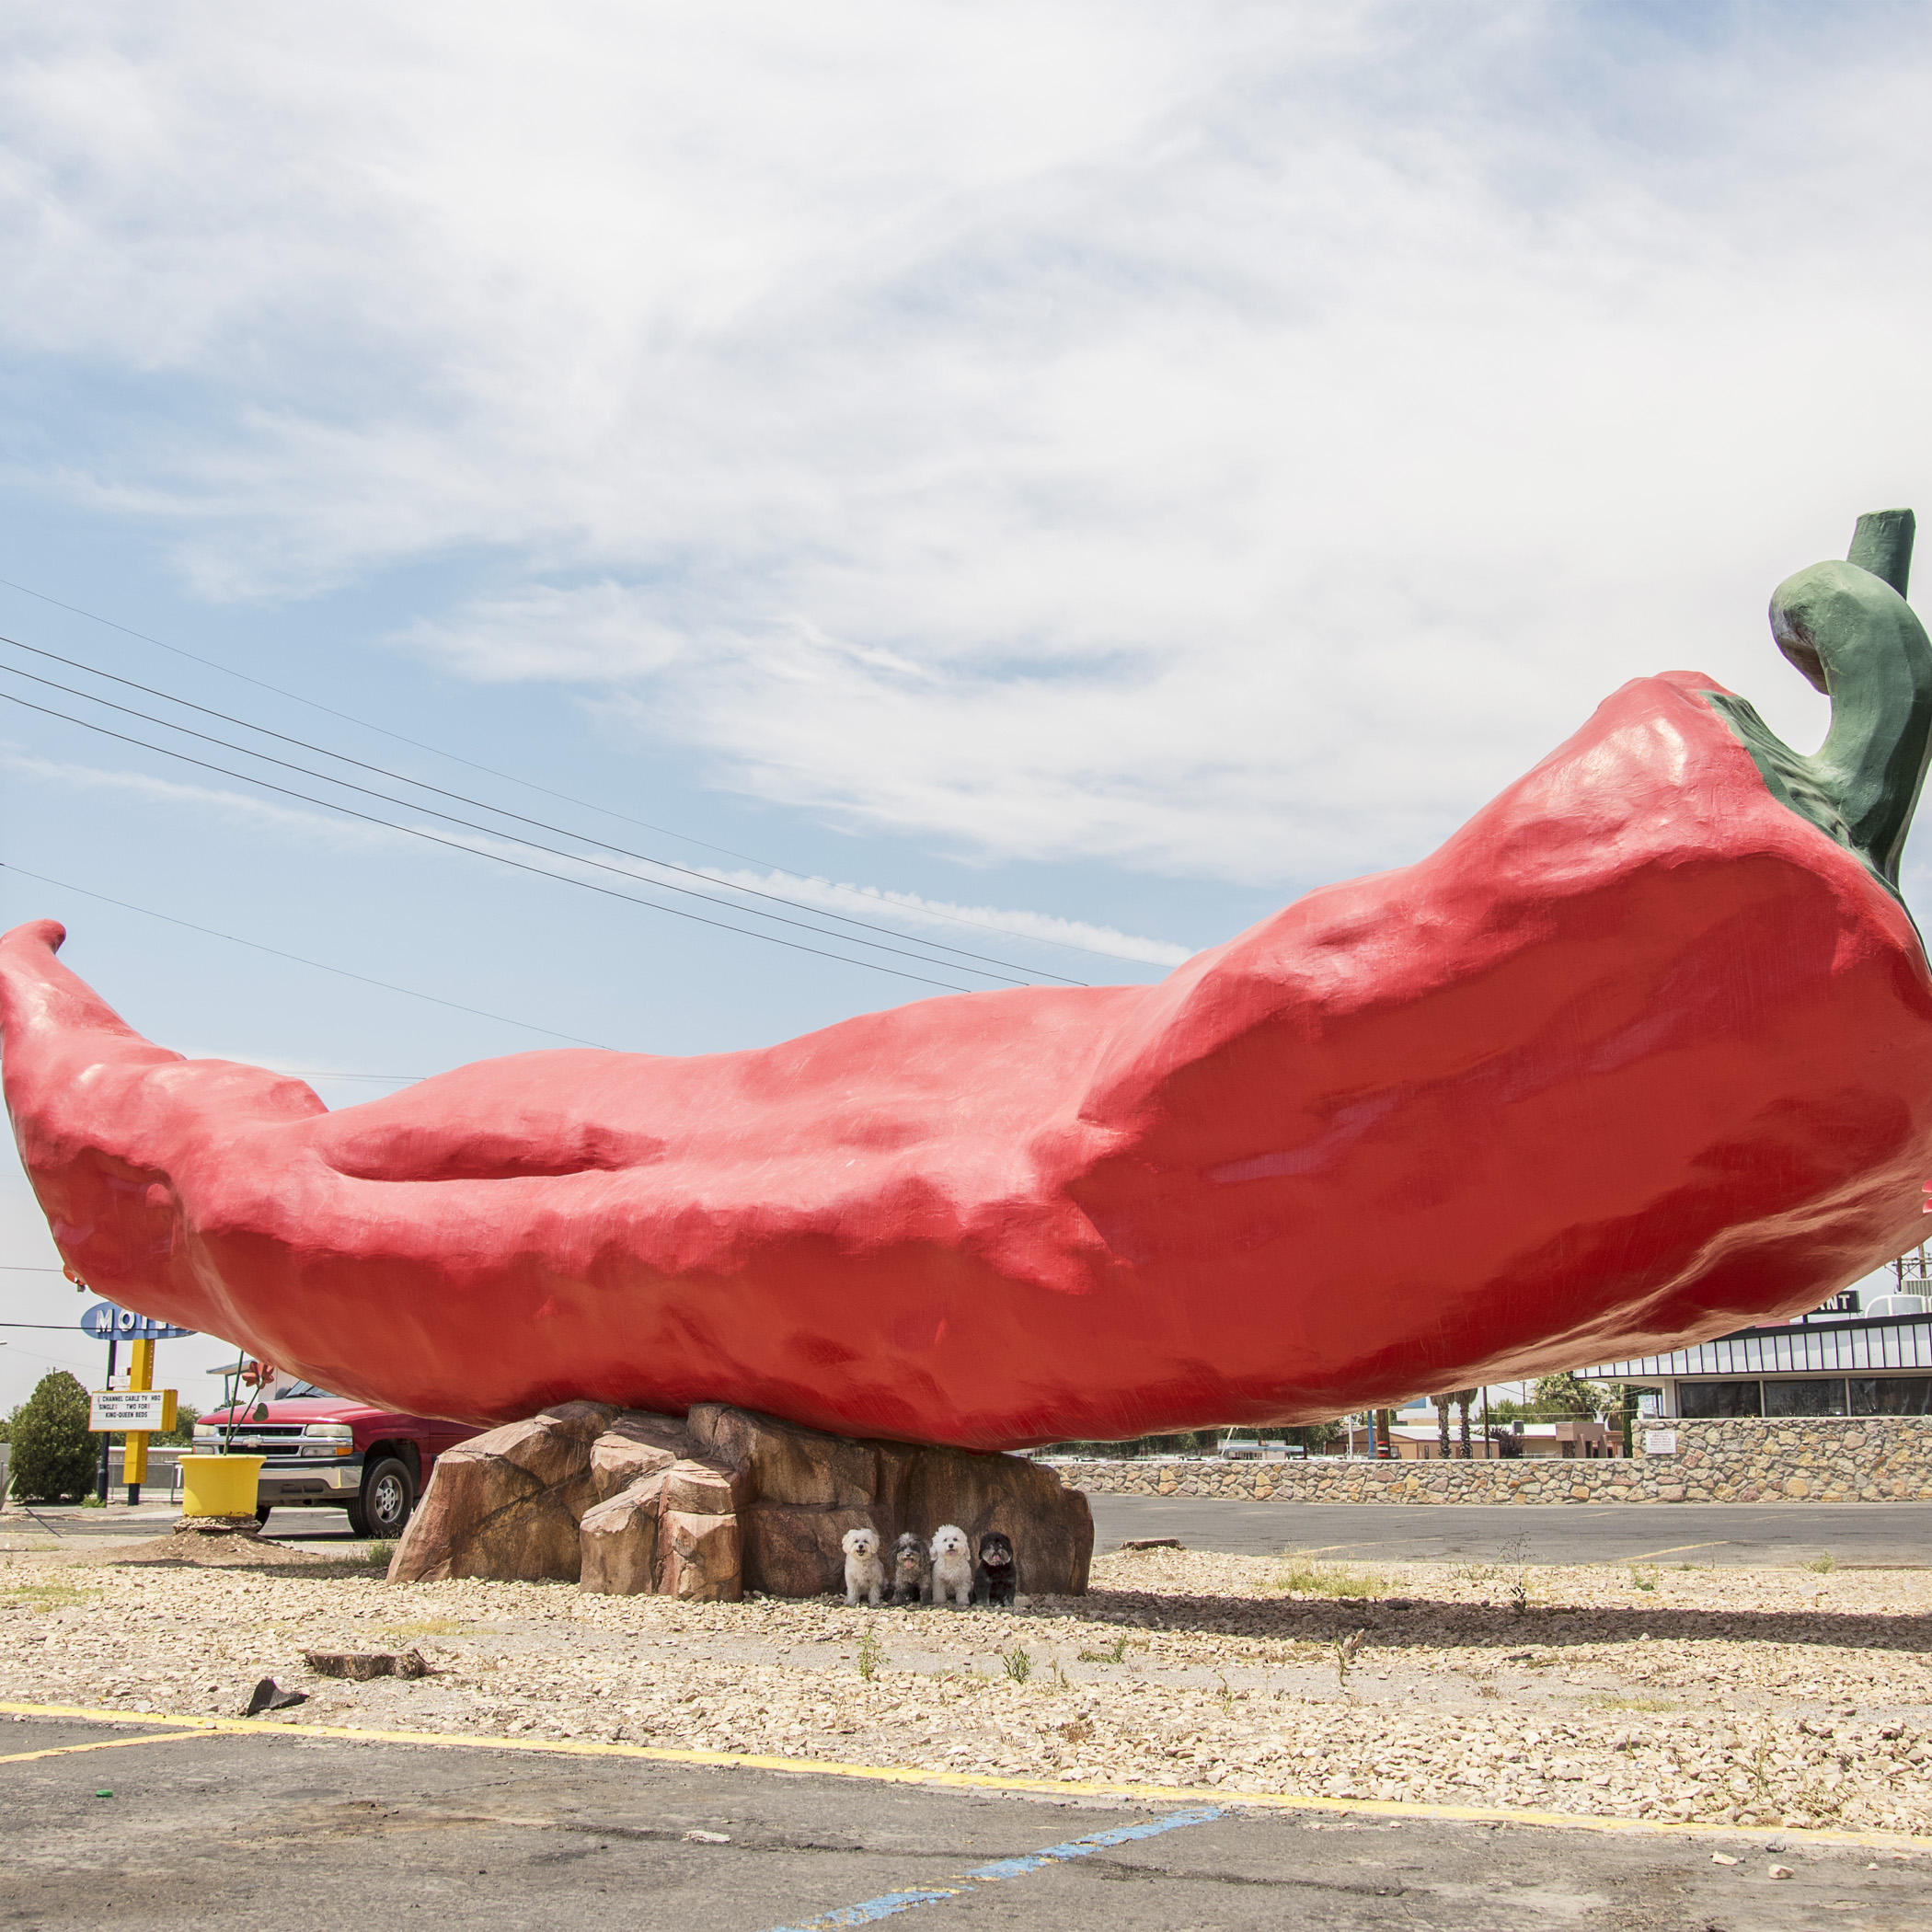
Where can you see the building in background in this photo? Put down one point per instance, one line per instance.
(1877, 1362)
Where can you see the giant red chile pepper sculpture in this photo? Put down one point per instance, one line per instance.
(1643, 1051)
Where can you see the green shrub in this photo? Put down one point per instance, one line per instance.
(54, 1456)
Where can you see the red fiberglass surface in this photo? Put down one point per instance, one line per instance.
(1638, 1055)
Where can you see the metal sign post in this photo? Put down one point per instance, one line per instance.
(141, 1377)
(106, 1442)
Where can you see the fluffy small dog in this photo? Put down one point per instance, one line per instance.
(997, 1577)
(911, 1570)
(952, 1567)
(864, 1574)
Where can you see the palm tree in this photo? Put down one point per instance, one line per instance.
(1463, 1397)
(1441, 1419)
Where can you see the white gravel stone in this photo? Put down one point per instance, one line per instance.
(1761, 1698)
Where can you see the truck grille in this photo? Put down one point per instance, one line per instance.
(267, 1438)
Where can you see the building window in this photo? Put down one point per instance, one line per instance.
(1892, 1396)
(1823, 1397)
(1696, 1399)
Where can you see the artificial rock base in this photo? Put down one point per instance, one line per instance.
(628, 1503)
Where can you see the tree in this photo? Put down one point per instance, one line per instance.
(1463, 1397)
(1566, 1393)
(53, 1452)
(1441, 1419)
(183, 1430)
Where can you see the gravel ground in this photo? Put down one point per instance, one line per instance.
(1745, 1696)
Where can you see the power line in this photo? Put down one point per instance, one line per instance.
(510, 777)
(341, 971)
(463, 799)
(456, 846)
(662, 885)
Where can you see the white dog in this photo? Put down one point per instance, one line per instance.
(864, 1574)
(952, 1567)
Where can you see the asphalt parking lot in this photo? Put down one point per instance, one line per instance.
(136, 1825)
(1885, 1536)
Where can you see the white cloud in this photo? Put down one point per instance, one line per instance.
(968, 926)
(233, 805)
(1231, 440)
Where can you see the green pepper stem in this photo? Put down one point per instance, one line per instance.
(1882, 545)
(1849, 628)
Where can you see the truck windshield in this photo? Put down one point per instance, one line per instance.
(301, 1391)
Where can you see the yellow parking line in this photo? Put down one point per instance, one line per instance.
(963, 1780)
(160, 1737)
(1677, 1550)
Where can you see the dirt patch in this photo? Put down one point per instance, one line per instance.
(225, 1548)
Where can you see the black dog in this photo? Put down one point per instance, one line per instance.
(996, 1577)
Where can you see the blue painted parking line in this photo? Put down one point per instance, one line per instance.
(890, 1903)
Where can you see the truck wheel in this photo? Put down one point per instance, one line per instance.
(261, 1512)
(388, 1496)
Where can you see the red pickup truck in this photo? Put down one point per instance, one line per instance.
(326, 1452)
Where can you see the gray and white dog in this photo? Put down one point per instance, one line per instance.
(912, 1569)
(952, 1567)
(864, 1574)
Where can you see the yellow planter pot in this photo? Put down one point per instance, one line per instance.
(219, 1485)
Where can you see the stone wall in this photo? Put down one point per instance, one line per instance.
(1818, 1459)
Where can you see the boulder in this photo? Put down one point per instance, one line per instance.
(507, 1504)
(786, 1462)
(635, 1445)
(702, 1486)
(698, 1557)
(618, 1541)
(625, 1503)
(796, 1549)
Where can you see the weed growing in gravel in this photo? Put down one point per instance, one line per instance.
(381, 1552)
(1643, 1577)
(1019, 1666)
(1514, 1554)
(1226, 1699)
(1822, 1565)
(1609, 1702)
(1116, 1655)
(1077, 1731)
(1345, 1649)
(1312, 1580)
(429, 1626)
(43, 1597)
(871, 1653)
(1061, 1680)
(1475, 1572)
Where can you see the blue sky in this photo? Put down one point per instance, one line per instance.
(1096, 472)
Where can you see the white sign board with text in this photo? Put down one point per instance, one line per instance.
(114, 1410)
